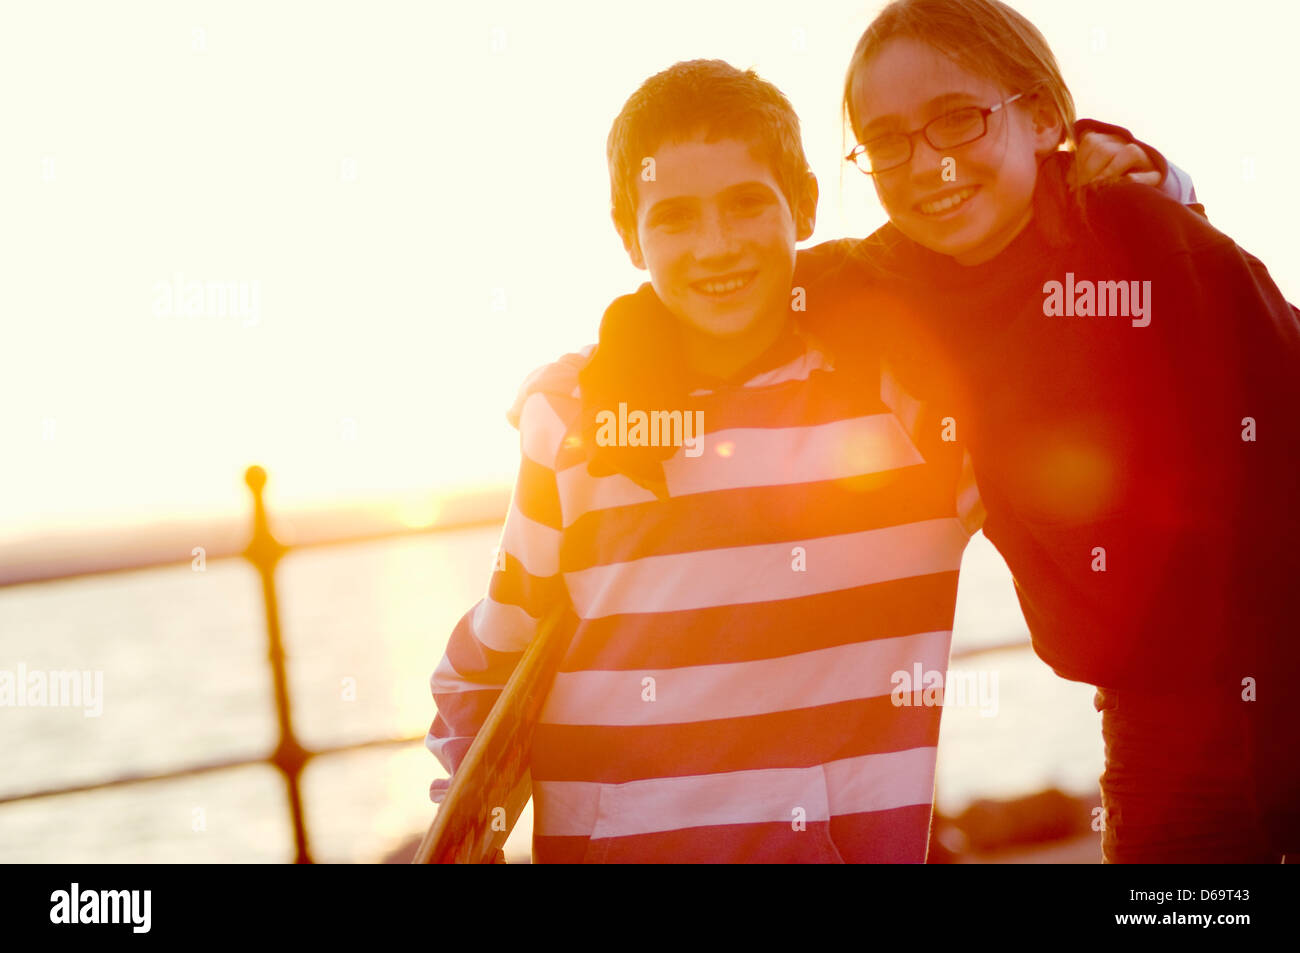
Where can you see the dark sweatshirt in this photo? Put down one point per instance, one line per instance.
(1152, 545)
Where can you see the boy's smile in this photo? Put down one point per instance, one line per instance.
(718, 237)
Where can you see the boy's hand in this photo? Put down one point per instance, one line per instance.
(1101, 157)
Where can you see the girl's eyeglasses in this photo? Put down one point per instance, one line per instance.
(957, 128)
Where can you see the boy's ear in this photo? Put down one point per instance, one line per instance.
(1048, 127)
(630, 243)
(805, 214)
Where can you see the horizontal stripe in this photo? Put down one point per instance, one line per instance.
(758, 457)
(449, 749)
(898, 836)
(541, 429)
(536, 546)
(580, 492)
(755, 515)
(858, 784)
(770, 843)
(503, 628)
(446, 679)
(516, 586)
(778, 408)
(459, 716)
(852, 785)
(798, 738)
(537, 495)
(476, 663)
(757, 630)
(706, 692)
(765, 572)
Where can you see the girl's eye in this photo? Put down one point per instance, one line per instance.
(961, 122)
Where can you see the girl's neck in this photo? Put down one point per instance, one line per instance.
(1053, 203)
(987, 252)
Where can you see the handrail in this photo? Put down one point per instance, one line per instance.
(264, 551)
(53, 558)
(202, 768)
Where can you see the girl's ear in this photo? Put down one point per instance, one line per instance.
(805, 214)
(1047, 125)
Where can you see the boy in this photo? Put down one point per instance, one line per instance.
(741, 598)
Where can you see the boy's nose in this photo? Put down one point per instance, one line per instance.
(716, 239)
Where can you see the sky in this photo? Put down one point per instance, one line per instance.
(395, 211)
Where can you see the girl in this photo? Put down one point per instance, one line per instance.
(1122, 376)
(1126, 379)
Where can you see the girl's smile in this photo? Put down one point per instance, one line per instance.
(947, 203)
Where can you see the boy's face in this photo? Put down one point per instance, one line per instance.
(718, 237)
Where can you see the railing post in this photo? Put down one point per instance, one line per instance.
(264, 552)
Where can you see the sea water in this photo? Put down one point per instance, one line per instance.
(182, 658)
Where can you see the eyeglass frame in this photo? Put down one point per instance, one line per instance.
(861, 147)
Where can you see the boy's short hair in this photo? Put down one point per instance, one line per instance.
(702, 98)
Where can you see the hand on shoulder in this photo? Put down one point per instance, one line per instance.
(560, 378)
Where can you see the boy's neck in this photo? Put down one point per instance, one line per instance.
(722, 357)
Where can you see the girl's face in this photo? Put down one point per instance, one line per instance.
(986, 198)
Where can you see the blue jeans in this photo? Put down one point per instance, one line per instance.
(1180, 781)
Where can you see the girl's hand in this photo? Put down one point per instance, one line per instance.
(1101, 157)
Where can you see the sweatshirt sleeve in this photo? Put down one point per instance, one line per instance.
(490, 638)
(1225, 360)
(1219, 358)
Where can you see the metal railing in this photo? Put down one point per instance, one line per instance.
(264, 551)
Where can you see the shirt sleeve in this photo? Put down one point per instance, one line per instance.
(1174, 182)
(490, 638)
(1178, 186)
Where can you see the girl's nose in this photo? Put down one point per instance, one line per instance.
(926, 160)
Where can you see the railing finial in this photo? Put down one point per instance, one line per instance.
(255, 477)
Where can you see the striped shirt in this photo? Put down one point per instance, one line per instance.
(729, 694)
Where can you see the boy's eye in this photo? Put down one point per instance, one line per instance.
(749, 204)
(671, 218)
